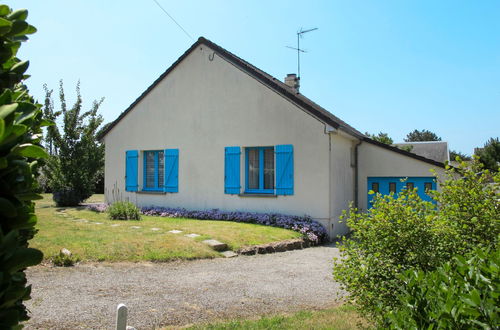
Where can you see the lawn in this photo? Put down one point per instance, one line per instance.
(91, 236)
(342, 317)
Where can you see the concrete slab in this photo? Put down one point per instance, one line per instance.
(155, 229)
(192, 235)
(215, 244)
(175, 231)
(229, 254)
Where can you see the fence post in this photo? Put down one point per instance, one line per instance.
(121, 317)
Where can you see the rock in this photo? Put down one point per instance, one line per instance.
(65, 252)
(249, 251)
(261, 250)
(280, 247)
(155, 229)
(192, 235)
(135, 227)
(229, 254)
(215, 244)
(270, 249)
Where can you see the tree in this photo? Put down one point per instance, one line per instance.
(454, 154)
(380, 137)
(489, 155)
(423, 135)
(77, 157)
(20, 134)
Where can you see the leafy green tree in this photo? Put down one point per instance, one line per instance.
(423, 135)
(489, 155)
(380, 137)
(454, 154)
(402, 232)
(77, 157)
(20, 134)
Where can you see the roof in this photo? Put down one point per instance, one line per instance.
(278, 86)
(436, 150)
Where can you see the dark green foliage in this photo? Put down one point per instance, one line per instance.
(462, 294)
(461, 156)
(64, 260)
(489, 155)
(423, 135)
(402, 233)
(380, 137)
(124, 211)
(76, 163)
(20, 150)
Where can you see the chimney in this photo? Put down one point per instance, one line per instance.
(293, 81)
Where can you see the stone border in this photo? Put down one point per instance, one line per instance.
(282, 246)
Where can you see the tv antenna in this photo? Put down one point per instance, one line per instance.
(300, 34)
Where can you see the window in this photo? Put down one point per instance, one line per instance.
(392, 187)
(427, 186)
(410, 185)
(154, 170)
(259, 167)
(375, 187)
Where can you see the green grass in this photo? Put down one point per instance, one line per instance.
(61, 228)
(341, 317)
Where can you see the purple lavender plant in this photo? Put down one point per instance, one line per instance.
(312, 230)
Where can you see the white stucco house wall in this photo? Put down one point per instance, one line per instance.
(213, 131)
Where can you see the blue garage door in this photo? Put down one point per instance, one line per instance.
(386, 185)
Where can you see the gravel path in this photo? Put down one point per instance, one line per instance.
(179, 293)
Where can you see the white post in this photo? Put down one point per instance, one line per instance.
(121, 317)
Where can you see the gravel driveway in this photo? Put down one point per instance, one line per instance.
(179, 293)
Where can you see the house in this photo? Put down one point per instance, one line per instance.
(435, 150)
(213, 131)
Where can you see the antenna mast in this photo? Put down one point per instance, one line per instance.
(300, 33)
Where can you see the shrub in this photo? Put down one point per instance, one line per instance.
(462, 294)
(66, 197)
(124, 211)
(64, 259)
(20, 151)
(401, 233)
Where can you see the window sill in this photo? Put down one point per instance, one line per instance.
(257, 195)
(152, 192)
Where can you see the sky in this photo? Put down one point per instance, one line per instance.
(381, 66)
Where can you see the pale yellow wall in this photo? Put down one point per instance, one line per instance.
(342, 181)
(203, 106)
(378, 161)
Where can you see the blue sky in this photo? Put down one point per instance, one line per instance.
(391, 66)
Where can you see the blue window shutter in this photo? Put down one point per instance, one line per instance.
(171, 170)
(284, 169)
(232, 170)
(131, 170)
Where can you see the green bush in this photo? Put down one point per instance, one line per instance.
(65, 259)
(124, 211)
(463, 294)
(20, 151)
(401, 233)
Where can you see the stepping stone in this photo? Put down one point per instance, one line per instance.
(215, 244)
(98, 223)
(135, 227)
(192, 235)
(115, 225)
(229, 254)
(155, 229)
(175, 231)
